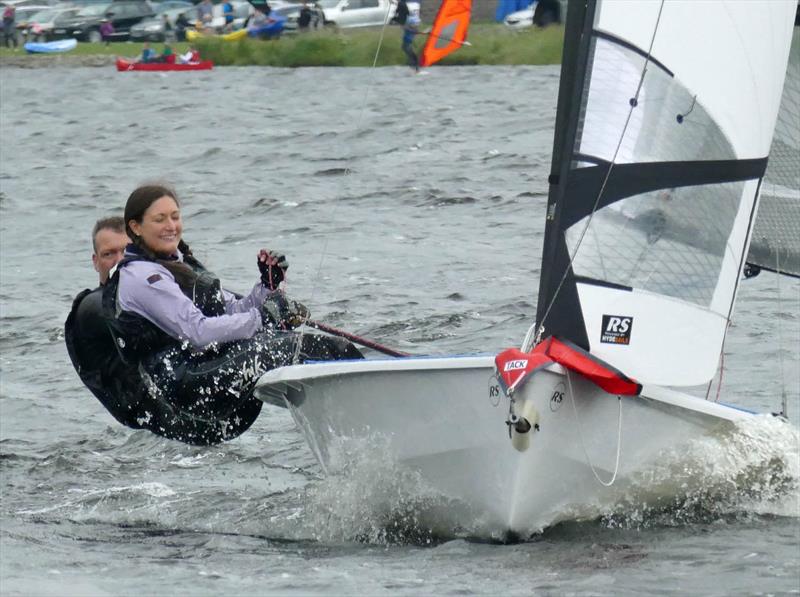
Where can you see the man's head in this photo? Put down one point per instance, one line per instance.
(109, 241)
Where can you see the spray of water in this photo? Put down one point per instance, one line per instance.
(374, 500)
(751, 470)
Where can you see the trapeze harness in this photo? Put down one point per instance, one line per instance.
(150, 380)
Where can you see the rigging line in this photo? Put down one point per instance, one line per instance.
(583, 444)
(739, 270)
(778, 275)
(324, 251)
(634, 101)
(721, 373)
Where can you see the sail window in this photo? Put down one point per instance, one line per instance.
(660, 122)
(652, 241)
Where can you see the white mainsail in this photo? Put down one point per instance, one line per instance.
(653, 200)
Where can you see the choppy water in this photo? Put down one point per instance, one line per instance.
(431, 244)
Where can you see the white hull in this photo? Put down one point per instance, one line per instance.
(435, 416)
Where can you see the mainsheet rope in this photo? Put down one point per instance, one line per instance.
(347, 171)
(633, 104)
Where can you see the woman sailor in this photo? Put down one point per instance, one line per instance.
(199, 349)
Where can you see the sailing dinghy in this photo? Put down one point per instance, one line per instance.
(661, 143)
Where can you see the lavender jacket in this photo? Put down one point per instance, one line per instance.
(149, 289)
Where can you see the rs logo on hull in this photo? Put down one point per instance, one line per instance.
(616, 329)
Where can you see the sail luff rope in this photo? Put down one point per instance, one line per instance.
(347, 171)
(634, 102)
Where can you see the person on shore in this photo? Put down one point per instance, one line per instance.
(547, 12)
(410, 30)
(169, 33)
(10, 26)
(106, 31)
(148, 54)
(199, 349)
(205, 15)
(228, 14)
(304, 19)
(181, 25)
(256, 20)
(401, 13)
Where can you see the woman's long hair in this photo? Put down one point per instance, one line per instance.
(138, 203)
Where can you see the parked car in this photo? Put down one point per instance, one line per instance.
(540, 13)
(23, 14)
(154, 28)
(23, 3)
(123, 14)
(356, 13)
(521, 18)
(41, 24)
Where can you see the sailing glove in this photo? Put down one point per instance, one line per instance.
(272, 266)
(282, 313)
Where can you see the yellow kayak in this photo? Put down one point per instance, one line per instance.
(192, 35)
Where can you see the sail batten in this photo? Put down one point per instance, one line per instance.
(656, 179)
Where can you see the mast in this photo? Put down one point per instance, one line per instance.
(560, 319)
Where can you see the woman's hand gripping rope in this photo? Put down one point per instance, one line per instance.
(273, 266)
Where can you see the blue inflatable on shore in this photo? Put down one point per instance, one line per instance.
(273, 27)
(51, 47)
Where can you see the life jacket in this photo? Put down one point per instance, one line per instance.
(91, 349)
(136, 337)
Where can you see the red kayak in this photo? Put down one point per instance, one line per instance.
(123, 65)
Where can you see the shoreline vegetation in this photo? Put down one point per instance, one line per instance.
(492, 44)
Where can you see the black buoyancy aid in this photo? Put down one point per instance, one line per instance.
(91, 349)
(137, 337)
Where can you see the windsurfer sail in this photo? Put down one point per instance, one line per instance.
(449, 31)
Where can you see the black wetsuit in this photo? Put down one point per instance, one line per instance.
(148, 380)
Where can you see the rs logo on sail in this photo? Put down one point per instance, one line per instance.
(514, 365)
(616, 329)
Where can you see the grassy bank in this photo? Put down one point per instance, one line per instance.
(492, 44)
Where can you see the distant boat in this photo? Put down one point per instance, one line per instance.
(51, 47)
(126, 65)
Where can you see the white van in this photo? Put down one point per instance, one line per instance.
(357, 13)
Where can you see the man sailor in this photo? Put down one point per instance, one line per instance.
(90, 345)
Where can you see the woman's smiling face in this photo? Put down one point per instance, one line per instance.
(161, 226)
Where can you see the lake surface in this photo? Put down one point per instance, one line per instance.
(411, 210)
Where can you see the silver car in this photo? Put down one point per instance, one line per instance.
(356, 13)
